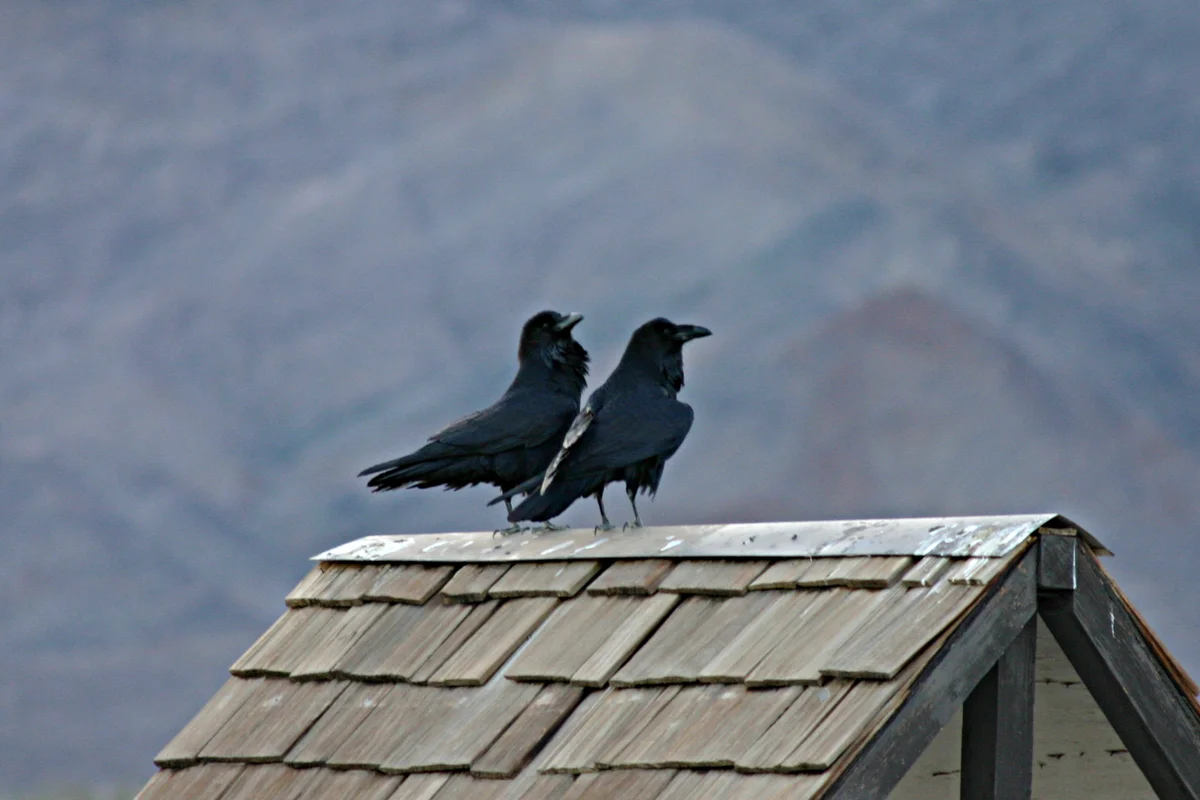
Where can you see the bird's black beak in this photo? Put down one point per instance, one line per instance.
(685, 333)
(567, 322)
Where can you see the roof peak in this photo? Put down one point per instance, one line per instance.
(992, 536)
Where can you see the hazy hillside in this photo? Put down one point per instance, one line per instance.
(246, 249)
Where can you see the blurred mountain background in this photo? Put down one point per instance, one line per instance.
(949, 253)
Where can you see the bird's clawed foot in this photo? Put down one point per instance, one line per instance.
(548, 526)
(632, 526)
(516, 527)
(605, 525)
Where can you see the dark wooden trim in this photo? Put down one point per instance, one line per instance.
(972, 650)
(997, 738)
(1056, 562)
(1156, 721)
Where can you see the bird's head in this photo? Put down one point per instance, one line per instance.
(664, 336)
(546, 337)
(659, 343)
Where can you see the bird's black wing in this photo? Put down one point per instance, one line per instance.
(579, 426)
(524, 419)
(628, 433)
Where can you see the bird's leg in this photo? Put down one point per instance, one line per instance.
(511, 529)
(631, 493)
(604, 525)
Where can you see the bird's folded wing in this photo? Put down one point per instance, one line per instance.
(582, 421)
(519, 421)
(633, 434)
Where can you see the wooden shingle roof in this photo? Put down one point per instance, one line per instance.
(744, 663)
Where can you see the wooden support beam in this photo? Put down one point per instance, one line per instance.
(997, 738)
(1156, 721)
(972, 650)
(1056, 562)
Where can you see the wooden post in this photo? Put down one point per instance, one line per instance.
(997, 737)
(1149, 711)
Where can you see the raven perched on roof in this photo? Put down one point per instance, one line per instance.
(513, 439)
(626, 431)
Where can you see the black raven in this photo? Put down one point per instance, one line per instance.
(517, 436)
(626, 431)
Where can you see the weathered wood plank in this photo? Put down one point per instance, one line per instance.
(607, 724)
(813, 640)
(692, 785)
(550, 579)
(287, 642)
(532, 786)
(712, 578)
(270, 721)
(842, 725)
(409, 583)
(187, 744)
(333, 588)
(642, 619)
(471, 582)
(997, 737)
(479, 613)
(640, 577)
(402, 713)
(570, 636)
(462, 731)
(625, 784)
(926, 572)
(276, 781)
(398, 644)
(884, 643)
(321, 654)
(505, 757)
(873, 572)
(313, 585)
(820, 573)
(654, 746)
(883, 757)
(776, 787)
(272, 639)
(690, 638)
(336, 725)
(468, 787)
(529, 785)
(420, 787)
(781, 575)
(199, 782)
(504, 631)
(754, 713)
(792, 727)
(350, 589)
(975, 571)
(787, 611)
(356, 784)
(1156, 720)
(381, 640)
(565, 744)
(704, 727)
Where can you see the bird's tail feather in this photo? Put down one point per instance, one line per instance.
(451, 472)
(431, 452)
(523, 488)
(538, 507)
